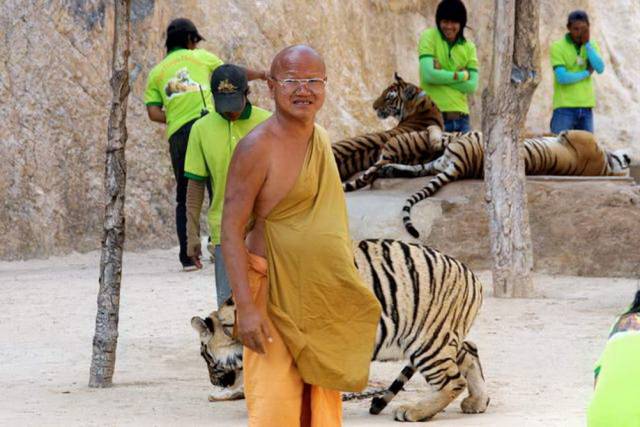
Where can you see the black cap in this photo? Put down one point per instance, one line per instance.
(183, 25)
(229, 86)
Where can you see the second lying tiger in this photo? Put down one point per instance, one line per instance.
(572, 152)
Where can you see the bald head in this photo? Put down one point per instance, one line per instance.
(296, 56)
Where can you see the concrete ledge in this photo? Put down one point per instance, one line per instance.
(579, 226)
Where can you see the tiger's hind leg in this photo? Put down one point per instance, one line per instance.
(470, 367)
(444, 375)
(379, 403)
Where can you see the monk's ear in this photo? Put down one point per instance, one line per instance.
(272, 87)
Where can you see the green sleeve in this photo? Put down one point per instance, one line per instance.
(468, 86)
(556, 56)
(428, 74)
(195, 166)
(152, 94)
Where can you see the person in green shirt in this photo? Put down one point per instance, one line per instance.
(449, 65)
(177, 94)
(616, 398)
(574, 58)
(212, 141)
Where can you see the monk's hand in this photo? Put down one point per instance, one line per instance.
(253, 328)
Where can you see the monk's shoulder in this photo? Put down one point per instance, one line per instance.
(255, 144)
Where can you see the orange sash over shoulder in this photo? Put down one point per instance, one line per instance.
(317, 300)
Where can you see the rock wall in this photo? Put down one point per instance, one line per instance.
(55, 67)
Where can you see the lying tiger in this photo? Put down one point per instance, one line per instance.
(429, 302)
(573, 152)
(406, 102)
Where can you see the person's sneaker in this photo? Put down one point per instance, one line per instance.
(189, 266)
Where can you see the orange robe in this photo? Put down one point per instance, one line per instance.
(323, 313)
(273, 387)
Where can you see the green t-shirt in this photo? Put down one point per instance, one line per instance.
(616, 398)
(565, 53)
(211, 144)
(452, 57)
(173, 84)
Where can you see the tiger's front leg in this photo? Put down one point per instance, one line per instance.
(367, 177)
(442, 374)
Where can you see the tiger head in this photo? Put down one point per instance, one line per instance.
(619, 162)
(402, 99)
(220, 350)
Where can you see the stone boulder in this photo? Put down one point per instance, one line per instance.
(579, 226)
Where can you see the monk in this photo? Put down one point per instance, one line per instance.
(306, 320)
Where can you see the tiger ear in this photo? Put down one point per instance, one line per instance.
(410, 92)
(198, 324)
(397, 77)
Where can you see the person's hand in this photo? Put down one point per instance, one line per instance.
(253, 328)
(585, 36)
(436, 64)
(589, 68)
(194, 253)
(462, 75)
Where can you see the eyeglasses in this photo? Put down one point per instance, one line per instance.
(314, 84)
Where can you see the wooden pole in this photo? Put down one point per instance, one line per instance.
(514, 76)
(105, 339)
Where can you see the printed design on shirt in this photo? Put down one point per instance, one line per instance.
(181, 84)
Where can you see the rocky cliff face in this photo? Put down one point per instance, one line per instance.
(55, 67)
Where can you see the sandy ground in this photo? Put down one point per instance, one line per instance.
(537, 353)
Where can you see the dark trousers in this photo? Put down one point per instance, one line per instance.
(572, 118)
(458, 125)
(178, 150)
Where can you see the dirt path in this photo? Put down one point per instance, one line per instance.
(537, 354)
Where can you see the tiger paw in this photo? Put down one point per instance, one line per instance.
(222, 394)
(474, 405)
(409, 413)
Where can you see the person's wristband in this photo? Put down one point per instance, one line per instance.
(455, 75)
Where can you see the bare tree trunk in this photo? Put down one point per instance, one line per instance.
(514, 77)
(105, 339)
